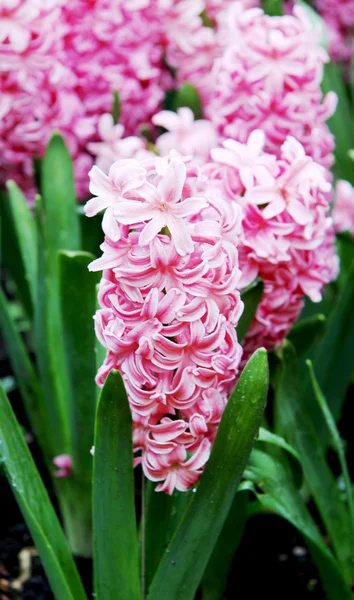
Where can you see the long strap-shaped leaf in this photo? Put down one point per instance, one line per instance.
(58, 229)
(219, 565)
(78, 303)
(163, 515)
(217, 571)
(19, 244)
(319, 478)
(49, 348)
(62, 229)
(36, 508)
(26, 377)
(306, 332)
(116, 556)
(338, 446)
(182, 566)
(333, 358)
(270, 472)
(341, 123)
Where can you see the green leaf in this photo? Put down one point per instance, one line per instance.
(188, 96)
(26, 378)
(300, 430)
(49, 348)
(91, 233)
(184, 562)
(341, 123)
(12, 244)
(345, 249)
(337, 443)
(79, 344)
(58, 227)
(62, 224)
(324, 307)
(251, 296)
(36, 508)
(306, 332)
(116, 559)
(26, 237)
(77, 283)
(116, 107)
(273, 8)
(270, 473)
(333, 358)
(267, 437)
(163, 514)
(217, 571)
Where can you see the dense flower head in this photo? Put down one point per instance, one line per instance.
(60, 62)
(169, 303)
(343, 210)
(287, 233)
(339, 17)
(264, 72)
(181, 239)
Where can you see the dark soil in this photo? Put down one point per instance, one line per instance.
(272, 560)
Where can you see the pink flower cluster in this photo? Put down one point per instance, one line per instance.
(169, 306)
(114, 146)
(185, 135)
(261, 72)
(288, 237)
(181, 240)
(343, 210)
(60, 62)
(339, 17)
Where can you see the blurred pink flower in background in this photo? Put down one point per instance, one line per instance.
(185, 135)
(64, 465)
(343, 210)
(262, 72)
(253, 71)
(114, 146)
(339, 17)
(61, 74)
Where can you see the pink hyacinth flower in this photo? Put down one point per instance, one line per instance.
(187, 136)
(163, 207)
(64, 463)
(169, 306)
(343, 210)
